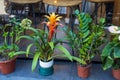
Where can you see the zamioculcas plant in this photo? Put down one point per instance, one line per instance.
(85, 41)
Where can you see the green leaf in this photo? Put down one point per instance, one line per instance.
(27, 37)
(19, 53)
(5, 34)
(28, 49)
(77, 12)
(85, 28)
(86, 39)
(79, 60)
(34, 30)
(82, 51)
(107, 62)
(51, 45)
(107, 50)
(102, 20)
(65, 51)
(35, 60)
(116, 51)
(86, 34)
(11, 54)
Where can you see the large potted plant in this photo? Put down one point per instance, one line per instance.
(85, 42)
(111, 53)
(45, 43)
(9, 48)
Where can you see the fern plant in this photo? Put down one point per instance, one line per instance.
(86, 39)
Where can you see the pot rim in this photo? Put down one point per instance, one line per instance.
(8, 60)
(46, 61)
(87, 65)
(46, 64)
(115, 69)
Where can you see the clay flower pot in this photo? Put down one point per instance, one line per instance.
(83, 72)
(46, 68)
(116, 74)
(8, 66)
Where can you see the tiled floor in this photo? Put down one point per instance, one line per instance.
(63, 70)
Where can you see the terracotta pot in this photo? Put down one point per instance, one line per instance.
(83, 72)
(116, 74)
(8, 66)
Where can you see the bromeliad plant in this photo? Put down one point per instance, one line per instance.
(45, 42)
(52, 24)
(87, 38)
(111, 53)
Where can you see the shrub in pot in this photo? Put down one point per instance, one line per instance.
(45, 44)
(9, 49)
(85, 42)
(111, 53)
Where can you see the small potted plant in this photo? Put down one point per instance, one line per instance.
(85, 42)
(9, 48)
(45, 44)
(111, 53)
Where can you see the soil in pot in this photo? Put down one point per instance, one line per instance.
(7, 66)
(4, 58)
(116, 74)
(83, 72)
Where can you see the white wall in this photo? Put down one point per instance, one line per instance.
(2, 8)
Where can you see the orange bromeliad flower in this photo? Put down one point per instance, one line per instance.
(52, 24)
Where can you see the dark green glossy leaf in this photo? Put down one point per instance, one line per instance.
(107, 49)
(116, 51)
(107, 62)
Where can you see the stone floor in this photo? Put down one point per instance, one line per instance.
(63, 70)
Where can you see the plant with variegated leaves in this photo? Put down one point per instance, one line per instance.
(111, 53)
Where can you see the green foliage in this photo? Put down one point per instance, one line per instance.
(87, 38)
(44, 49)
(13, 30)
(111, 55)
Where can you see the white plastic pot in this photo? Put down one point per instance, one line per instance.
(46, 64)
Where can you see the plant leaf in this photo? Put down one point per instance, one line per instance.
(51, 45)
(27, 37)
(28, 49)
(19, 52)
(116, 51)
(35, 60)
(65, 51)
(79, 60)
(107, 62)
(107, 50)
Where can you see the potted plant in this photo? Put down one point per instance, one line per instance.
(111, 53)
(85, 42)
(45, 43)
(9, 48)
